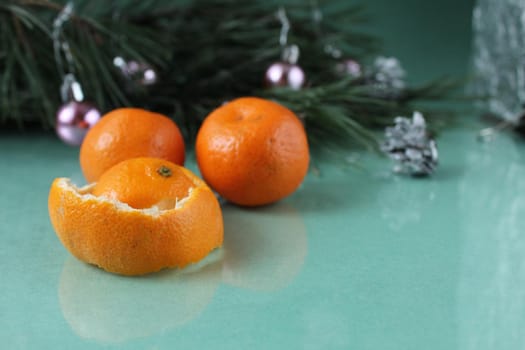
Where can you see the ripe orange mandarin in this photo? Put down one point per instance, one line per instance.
(144, 182)
(252, 151)
(172, 219)
(126, 133)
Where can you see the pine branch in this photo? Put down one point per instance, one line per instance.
(204, 53)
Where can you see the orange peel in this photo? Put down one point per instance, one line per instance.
(128, 241)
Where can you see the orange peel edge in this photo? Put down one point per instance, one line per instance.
(128, 241)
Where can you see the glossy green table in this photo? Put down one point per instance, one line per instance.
(355, 259)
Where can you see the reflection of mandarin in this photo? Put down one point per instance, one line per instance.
(110, 309)
(126, 133)
(263, 249)
(97, 226)
(252, 151)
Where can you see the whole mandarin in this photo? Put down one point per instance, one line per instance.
(252, 151)
(126, 133)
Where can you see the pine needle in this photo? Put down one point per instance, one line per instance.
(204, 53)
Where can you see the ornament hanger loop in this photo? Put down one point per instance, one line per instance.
(290, 53)
(317, 14)
(285, 26)
(71, 88)
(60, 45)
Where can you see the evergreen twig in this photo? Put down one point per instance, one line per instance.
(205, 53)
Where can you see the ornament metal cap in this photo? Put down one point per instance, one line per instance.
(71, 90)
(291, 54)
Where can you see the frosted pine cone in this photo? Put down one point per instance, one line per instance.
(408, 144)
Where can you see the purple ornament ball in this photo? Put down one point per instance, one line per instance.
(74, 119)
(349, 67)
(285, 75)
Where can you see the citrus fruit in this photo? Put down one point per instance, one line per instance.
(144, 182)
(128, 133)
(252, 151)
(109, 233)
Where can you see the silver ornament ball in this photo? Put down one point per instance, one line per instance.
(142, 73)
(138, 72)
(349, 68)
(283, 74)
(387, 78)
(73, 121)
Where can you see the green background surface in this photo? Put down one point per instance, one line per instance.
(431, 38)
(353, 260)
